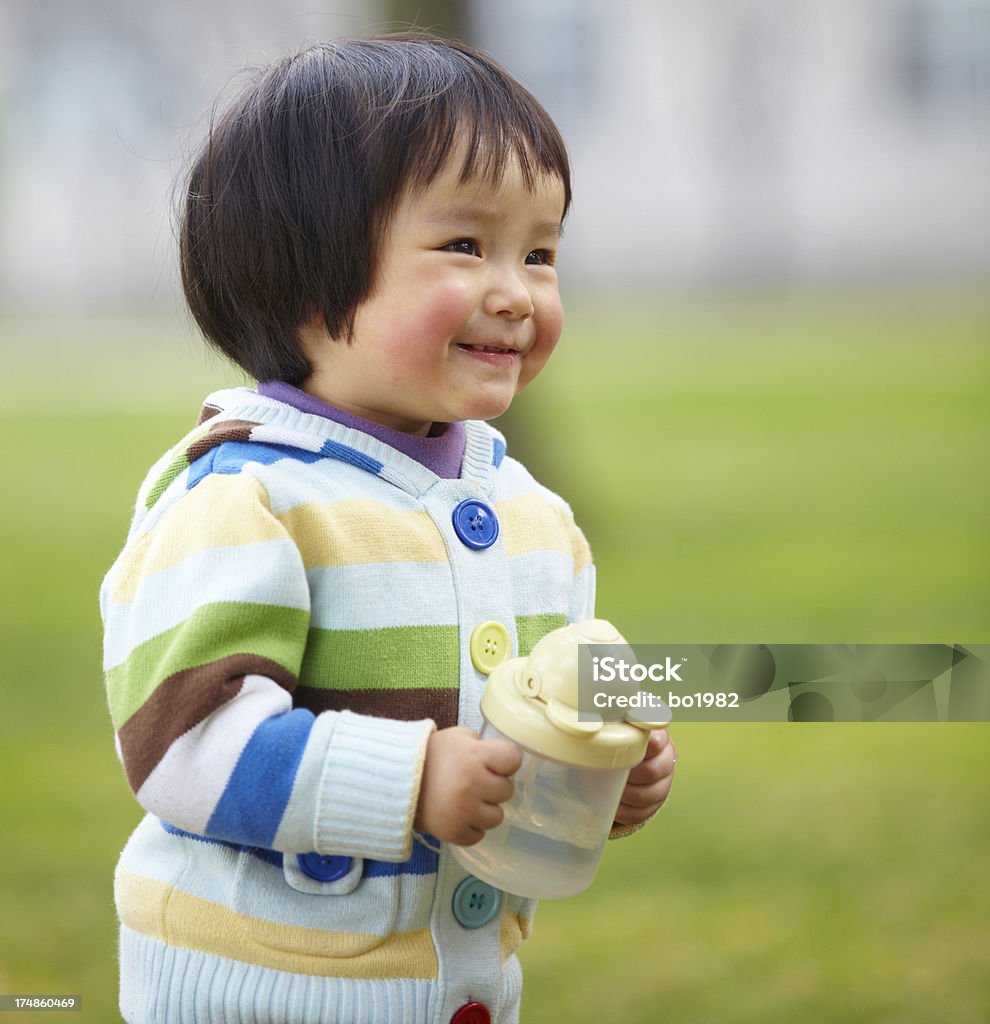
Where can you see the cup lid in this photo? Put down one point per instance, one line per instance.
(534, 701)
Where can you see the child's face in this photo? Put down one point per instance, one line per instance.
(465, 310)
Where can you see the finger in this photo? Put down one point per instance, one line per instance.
(638, 807)
(657, 767)
(659, 738)
(502, 757)
(635, 815)
(651, 771)
(488, 816)
(646, 771)
(468, 835)
(657, 743)
(496, 789)
(647, 796)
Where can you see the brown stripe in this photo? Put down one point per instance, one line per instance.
(407, 705)
(226, 430)
(183, 701)
(207, 413)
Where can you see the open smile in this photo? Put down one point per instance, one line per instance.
(496, 354)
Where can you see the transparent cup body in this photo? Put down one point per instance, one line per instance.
(555, 828)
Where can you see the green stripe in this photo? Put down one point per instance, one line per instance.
(174, 469)
(212, 632)
(531, 628)
(177, 466)
(382, 659)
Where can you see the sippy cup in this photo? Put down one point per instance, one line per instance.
(574, 768)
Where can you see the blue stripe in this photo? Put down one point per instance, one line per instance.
(231, 457)
(498, 451)
(343, 453)
(254, 800)
(422, 862)
(269, 856)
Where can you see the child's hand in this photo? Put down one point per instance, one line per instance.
(649, 782)
(465, 778)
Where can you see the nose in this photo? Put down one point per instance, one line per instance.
(508, 294)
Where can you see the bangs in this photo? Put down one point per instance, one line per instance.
(441, 96)
(492, 145)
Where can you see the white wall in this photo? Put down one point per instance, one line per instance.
(751, 141)
(714, 141)
(101, 100)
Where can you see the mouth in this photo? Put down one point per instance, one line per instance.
(494, 349)
(500, 356)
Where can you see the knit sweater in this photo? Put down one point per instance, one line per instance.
(289, 620)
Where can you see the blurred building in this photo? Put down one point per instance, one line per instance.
(715, 142)
(765, 141)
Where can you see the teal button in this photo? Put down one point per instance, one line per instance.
(476, 902)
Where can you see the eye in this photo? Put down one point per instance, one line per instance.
(467, 246)
(541, 258)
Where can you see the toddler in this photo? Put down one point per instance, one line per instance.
(320, 575)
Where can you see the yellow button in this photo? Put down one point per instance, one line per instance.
(490, 644)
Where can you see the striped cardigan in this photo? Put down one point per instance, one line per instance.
(289, 620)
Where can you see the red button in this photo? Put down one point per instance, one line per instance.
(472, 1013)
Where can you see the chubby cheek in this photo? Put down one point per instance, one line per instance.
(548, 330)
(438, 311)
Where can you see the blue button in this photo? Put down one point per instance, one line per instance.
(324, 869)
(475, 524)
(475, 902)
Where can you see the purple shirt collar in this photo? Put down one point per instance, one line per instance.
(441, 454)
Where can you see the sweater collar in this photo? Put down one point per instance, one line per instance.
(244, 415)
(442, 452)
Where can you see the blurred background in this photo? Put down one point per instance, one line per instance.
(769, 411)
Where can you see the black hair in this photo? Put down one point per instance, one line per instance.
(290, 197)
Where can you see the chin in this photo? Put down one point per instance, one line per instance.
(486, 410)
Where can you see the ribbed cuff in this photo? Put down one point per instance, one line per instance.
(370, 787)
(621, 831)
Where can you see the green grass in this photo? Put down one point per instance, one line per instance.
(800, 471)
(824, 873)
(806, 472)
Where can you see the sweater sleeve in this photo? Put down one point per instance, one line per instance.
(206, 617)
(583, 590)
